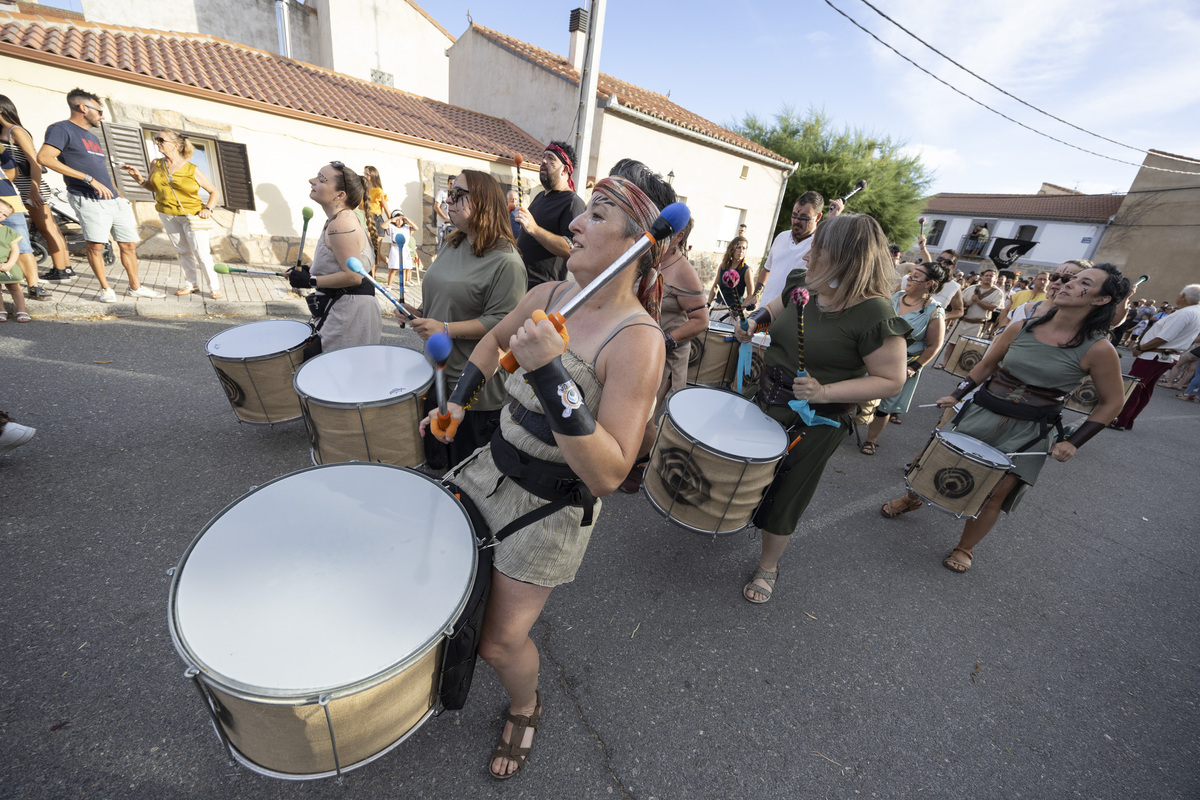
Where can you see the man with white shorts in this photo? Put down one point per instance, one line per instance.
(71, 150)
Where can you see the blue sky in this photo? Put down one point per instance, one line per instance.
(1129, 71)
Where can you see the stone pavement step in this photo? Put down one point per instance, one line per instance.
(244, 295)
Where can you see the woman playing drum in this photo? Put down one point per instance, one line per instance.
(918, 308)
(1024, 379)
(345, 310)
(849, 329)
(574, 421)
(475, 281)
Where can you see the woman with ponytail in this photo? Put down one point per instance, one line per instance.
(344, 308)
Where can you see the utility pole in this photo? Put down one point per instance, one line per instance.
(589, 77)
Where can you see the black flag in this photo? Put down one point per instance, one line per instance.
(1006, 251)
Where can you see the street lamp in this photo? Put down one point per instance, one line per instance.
(671, 177)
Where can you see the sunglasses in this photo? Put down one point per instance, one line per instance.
(160, 140)
(1059, 276)
(338, 165)
(456, 194)
(944, 260)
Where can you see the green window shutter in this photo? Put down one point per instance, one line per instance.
(237, 187)
(123, 145)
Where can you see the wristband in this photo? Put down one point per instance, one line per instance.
(759, 316)
(1084, 432)
(468, 386)
(670, 340)
(88, 179)
(561, 399)
(446, 330)
(964, 388)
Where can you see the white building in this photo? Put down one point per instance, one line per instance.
(1065, 225)
(725, 178)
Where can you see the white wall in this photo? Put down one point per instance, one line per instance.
(388, 35)
(1058, 241)
(709, 177)
(283, 153)
(248, 22)
(485, 77)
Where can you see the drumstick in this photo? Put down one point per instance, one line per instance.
(732, 280)
(307, 213)
(800, 300)
(921, 222)
(672, 219)
(858, 187)
(1010, 455)
(518, 160)
(222, 269)
(354, 265)
(929, 405)
(437, 350)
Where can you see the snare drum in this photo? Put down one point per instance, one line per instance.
(1086, 398)
(255, 363)
(957, 473)
(312, 613)
(968, 351)
(713, 459)
(364, 404)
(714, 355)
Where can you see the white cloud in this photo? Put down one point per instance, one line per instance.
(934, 157)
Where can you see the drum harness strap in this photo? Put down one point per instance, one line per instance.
(321, 301)
(1005, 395)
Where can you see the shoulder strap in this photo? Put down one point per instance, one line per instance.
(620, 327)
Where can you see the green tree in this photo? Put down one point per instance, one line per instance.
(831, 162)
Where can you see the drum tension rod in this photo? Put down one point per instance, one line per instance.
(194, 675)
(323, 700)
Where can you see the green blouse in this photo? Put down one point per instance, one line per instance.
(835, 343)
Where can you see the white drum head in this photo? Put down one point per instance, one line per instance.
(321, 579)
(726, 422)
(720, 329)
(257, 339)
(364, 374)
(978, 450)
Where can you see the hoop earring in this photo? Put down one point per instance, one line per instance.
(833, 284)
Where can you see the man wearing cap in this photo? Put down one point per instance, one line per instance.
(545, 240)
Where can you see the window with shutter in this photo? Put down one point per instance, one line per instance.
(123, 145)
(235, 176)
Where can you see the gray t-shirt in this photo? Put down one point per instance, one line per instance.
(460, 286)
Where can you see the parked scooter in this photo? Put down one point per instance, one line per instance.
(68, 224)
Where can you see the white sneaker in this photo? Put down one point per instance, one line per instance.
(14, 436)
(142, 291)
(107, 296)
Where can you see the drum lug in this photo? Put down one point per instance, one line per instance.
(193, 674)
(171, 572)
(323, 700)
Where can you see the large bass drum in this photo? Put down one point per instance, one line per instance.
(312, 613)
(713, 358)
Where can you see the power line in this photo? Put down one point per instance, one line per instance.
(1000, 113)
(1014, 97)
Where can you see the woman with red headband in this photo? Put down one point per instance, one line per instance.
(565, 437)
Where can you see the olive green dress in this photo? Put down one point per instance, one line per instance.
(835, 345)
(1035, 364)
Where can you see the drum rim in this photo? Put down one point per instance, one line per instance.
(940, 434)
(309, 695)
(706, 531)
(389, 401)
(730, 456)
(303, 343)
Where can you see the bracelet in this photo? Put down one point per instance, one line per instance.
(670, 340)
(88, 179)
(446, 330)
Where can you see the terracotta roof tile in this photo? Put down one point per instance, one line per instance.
(1081, 207)
(628, 95)
(206, 62)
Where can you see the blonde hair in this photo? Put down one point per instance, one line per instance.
(859, 264)
(185, 147)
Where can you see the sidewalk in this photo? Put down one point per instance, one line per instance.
(245, 295)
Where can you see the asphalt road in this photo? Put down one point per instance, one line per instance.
(1063, 665)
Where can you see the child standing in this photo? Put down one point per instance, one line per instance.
(10, 273)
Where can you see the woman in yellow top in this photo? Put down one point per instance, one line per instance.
(176, 183)
(377, 203)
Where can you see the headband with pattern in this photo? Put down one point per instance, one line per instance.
(562, 156)
(626, 195)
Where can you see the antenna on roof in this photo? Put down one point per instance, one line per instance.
(469, 20)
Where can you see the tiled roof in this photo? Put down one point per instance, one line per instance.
(628, 95)
(1081, 207)
(220, 68)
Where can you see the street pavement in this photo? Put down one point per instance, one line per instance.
(1064, 664)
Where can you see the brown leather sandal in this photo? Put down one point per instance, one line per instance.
(512, 749)
(894, 508)
(954, 564)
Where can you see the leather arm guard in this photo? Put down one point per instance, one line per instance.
(1084, 432)
(964, 388)
(561, 399)
(468, 386)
